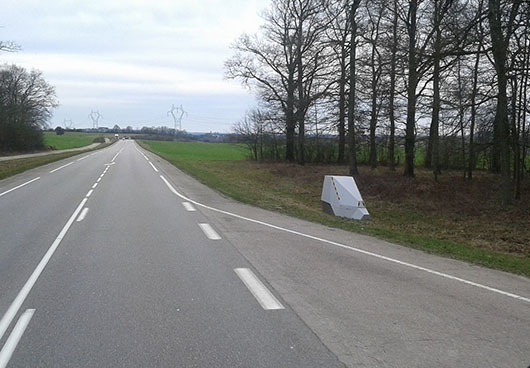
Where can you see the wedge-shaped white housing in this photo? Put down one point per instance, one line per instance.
(341, 197)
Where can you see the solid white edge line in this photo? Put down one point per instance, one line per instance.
(61, 167)
(82, 214)
(153, 166)
(263, 295)
(19, 186)
(14, 338)
(23, 293)
(89, 193)
(188, 206)
(136, 148)
(361, 251)
(209, 232)
(82, 158)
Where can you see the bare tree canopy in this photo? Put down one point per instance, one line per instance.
(26, 103)
(439, 83)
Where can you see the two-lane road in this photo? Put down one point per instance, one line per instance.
(116, 258)
(137, 279)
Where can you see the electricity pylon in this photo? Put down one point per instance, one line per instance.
(177, 113)
(95, 116)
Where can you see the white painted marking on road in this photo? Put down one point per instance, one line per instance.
(14, 338)
(61, 167)
(188, 206)
(20, 186)
(265, 298)
(82, 215)
(99, 179)
(115, 156)
(153, 166)
(23, 293)
(141, 153)
(89, 193)
(82, 158)
(209, 232)
(361, 251)
(94, 186)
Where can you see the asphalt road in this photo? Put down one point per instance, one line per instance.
(117, 259)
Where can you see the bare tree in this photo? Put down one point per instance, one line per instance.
(412, 83)
(26, 103)
(374, 62)
(338, 33)
(502, 21)
(310, 23)
(392, 87)
(269, 63)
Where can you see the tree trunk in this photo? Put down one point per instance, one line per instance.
(373, 113)
(342, 106)
(500, 48)
(392, 92)
(410, 134)
(521, 154)
(461, 113)
(290, 121)
(351, 104)
(300, 109)
(435, 122)
(474, 91)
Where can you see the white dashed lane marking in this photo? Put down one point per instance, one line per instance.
(265, 298)
(209, 232)
(188, 206)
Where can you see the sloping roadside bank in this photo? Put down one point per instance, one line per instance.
(57, 152)
(18, 165)
(262, 186)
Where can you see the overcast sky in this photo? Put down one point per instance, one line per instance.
(133, 59)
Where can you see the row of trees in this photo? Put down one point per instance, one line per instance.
(338, 78)
(26, 103)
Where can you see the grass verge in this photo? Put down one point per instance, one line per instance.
(453, 218)
(12, 167)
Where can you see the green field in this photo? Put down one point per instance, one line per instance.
(448, 218)
(69, 139)
(192, 151)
